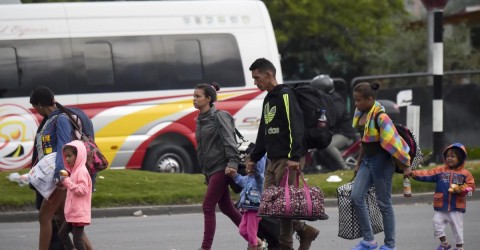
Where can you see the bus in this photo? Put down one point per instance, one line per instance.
(132, 67)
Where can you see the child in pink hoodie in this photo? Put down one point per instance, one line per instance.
(79, 194)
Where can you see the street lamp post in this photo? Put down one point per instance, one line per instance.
(435, 67)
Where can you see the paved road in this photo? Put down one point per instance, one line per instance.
(184, 231)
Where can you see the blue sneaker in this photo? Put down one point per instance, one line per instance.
(364, 245)
(444, 246)
(387, 248)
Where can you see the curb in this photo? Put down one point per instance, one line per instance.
(29, 216)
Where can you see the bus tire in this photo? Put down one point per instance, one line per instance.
(169, 159)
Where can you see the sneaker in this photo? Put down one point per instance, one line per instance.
(306, 236)
(387, 248)
(363, 245)
(264, 246)
(444, 246)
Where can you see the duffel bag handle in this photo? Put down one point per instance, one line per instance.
(306, 189)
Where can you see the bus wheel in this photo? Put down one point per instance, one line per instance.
(168, 159)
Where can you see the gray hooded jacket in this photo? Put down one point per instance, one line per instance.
(216, 141)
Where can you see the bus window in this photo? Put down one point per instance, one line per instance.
(203, 58)
(8, 69)
(188, 60)
(223, 63)
(98, 64)
(134, 64)
(43, 62)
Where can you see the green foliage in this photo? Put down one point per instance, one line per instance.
(351, 38)
(407, 51)
(331, 35)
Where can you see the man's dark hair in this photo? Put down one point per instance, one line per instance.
(42, 96)
(263, 65)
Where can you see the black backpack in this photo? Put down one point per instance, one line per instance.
(312, 101)
(415, 153)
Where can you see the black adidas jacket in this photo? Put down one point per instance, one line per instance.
(280, 134)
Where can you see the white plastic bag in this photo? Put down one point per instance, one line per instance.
(41, 175)
(22, 180)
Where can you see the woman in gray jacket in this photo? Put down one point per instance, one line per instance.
(216, 151)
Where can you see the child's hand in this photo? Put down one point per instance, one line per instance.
(455, 188)
(62, 178)
(231, 172)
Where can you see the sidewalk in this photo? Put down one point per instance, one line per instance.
(27, 216)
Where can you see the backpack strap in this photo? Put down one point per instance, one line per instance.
(83, 136)
(236, 130)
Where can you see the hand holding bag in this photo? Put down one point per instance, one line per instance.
(293, 202)
(41, 175)
(348, 225)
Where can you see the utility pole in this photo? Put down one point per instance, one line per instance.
(435, 67)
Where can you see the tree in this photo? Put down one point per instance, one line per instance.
(330, 36)
(347, 38)
(406, 52)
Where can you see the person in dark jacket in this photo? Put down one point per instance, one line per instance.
(453, 183)
(280, 136)
(344, 133)
(54, 132)
(217, 152)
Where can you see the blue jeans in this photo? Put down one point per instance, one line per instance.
(377, 170)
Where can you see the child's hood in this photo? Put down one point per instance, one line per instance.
(462, 149)
(81, 155)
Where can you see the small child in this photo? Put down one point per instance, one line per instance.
(252, 187)
(79, 194)
(453, 183)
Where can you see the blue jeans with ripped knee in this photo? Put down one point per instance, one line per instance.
(377, 170)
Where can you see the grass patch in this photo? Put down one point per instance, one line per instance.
(134, 188)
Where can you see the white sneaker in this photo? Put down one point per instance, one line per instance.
(264, 246)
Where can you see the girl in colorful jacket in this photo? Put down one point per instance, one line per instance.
(252, 187)
(453, 183)
(79, 194)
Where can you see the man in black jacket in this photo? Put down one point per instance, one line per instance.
(280, 136)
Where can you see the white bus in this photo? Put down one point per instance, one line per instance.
(132, 67)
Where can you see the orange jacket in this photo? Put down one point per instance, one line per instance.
(444, 176)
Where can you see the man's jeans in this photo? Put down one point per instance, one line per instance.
(377, 170)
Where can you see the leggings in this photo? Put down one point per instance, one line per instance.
(77, 232)
(217, 193)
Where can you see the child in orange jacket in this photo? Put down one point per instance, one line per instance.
(453, 183)
(79, 194)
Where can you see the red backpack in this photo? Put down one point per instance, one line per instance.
(416, 156)
(96, 161)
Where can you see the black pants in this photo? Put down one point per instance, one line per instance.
(77, 232)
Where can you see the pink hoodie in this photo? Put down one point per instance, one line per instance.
(79, 187)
